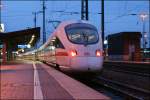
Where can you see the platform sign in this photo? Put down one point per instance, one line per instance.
(22, 46)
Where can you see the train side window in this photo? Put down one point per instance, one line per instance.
(50, 46)
(58, 43)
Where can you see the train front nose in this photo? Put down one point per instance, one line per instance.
(86, 63)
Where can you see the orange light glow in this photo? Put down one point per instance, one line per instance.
(99, 53)
(73, 53)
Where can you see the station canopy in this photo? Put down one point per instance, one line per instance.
(21, 37)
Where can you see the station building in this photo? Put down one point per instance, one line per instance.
(9, 42)
(124, 46)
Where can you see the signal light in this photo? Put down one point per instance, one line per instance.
(99, 53)
(73, 53)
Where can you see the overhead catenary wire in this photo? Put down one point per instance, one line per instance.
(21, 15)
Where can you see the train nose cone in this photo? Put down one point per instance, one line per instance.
(79, 63)
(86, 63)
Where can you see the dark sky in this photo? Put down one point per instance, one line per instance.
(17, 15)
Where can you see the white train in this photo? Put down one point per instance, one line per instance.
(73, 46)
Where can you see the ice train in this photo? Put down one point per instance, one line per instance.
(73, 46)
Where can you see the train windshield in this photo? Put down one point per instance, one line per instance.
(82, 33)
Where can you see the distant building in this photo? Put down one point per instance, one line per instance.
(124, 46)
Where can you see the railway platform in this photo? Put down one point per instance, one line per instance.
(35, 80)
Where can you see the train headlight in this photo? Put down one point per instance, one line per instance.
(99, 53)
(73, 53)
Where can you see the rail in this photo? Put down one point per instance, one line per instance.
(128, 90)
(131, 67)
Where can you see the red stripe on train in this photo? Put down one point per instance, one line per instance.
(61, 54)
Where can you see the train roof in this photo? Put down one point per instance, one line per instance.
(62, 25)
(65, 23)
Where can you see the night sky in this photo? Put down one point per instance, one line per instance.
(17, 15)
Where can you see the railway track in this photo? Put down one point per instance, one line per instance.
(127, 90)
(130, 72)
(135, 68)
(114, 89)
(128, 81)
(131, 79)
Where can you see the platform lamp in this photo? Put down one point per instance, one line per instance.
(143, 16)
(0, 12)
(106, 48)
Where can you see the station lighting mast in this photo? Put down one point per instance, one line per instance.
(0, 11)
(44, 31)
(1, 25)
(144, 34)
(35, 17)
(84, 10)
(102, 22)
(85, 15)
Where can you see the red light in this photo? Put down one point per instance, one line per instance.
(99, 53)
(73, 53)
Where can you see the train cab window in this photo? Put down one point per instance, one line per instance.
(82, 33)
(57, 43)
(47, 48)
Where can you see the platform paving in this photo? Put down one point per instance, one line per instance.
(19, 81)
(16, 81)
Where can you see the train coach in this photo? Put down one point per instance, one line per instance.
(73, 46)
